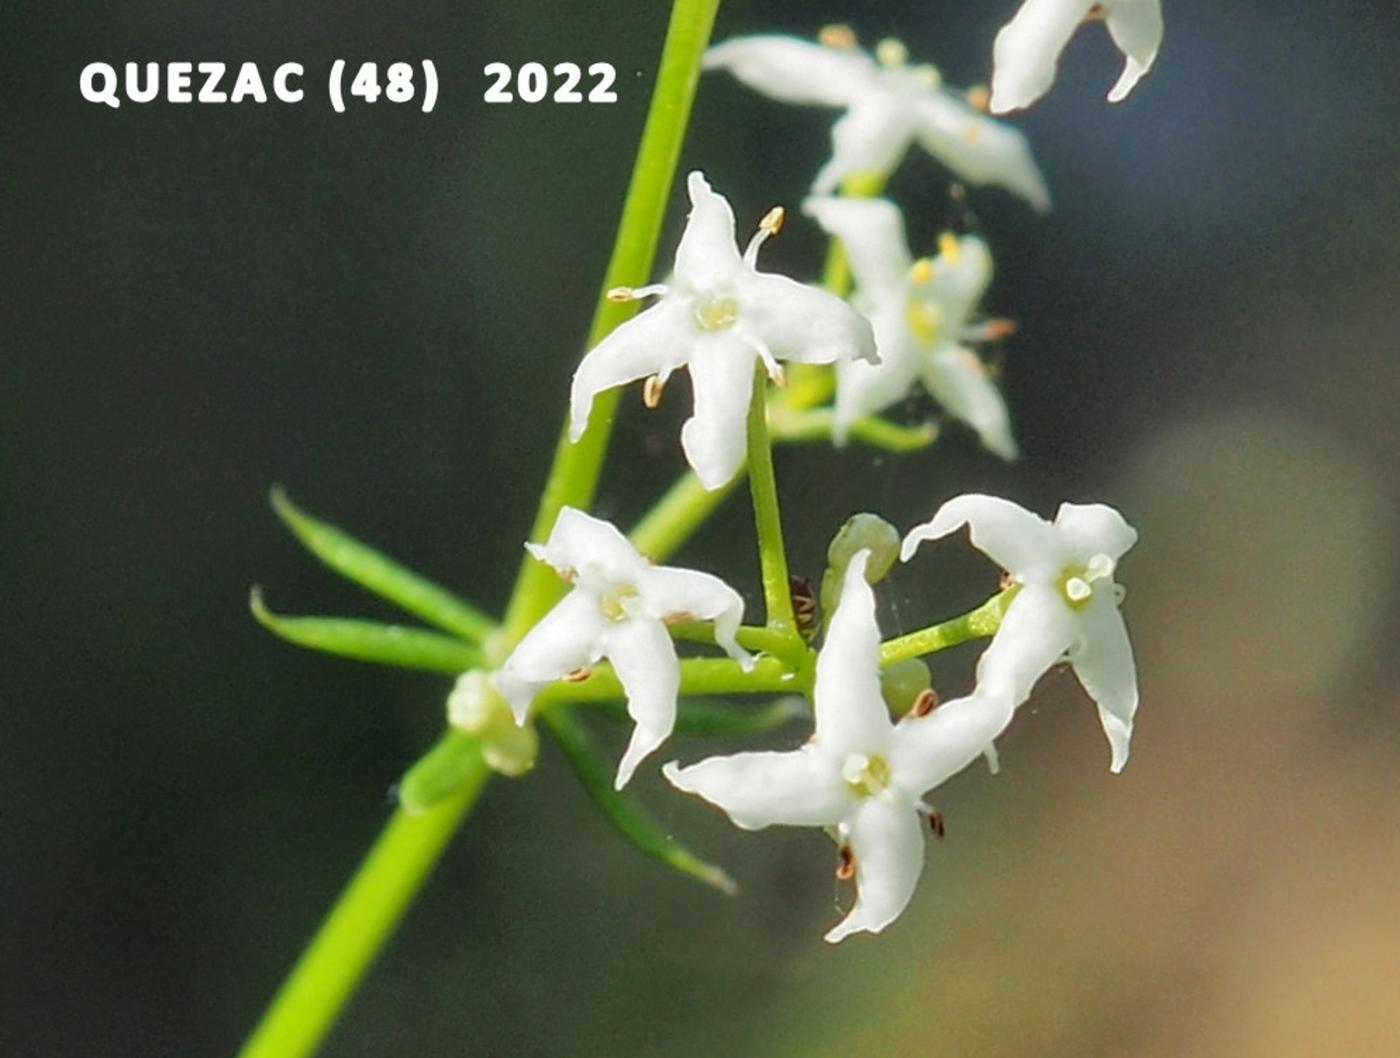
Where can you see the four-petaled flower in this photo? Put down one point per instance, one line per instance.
(719, 316)
(618, 609)
(1028, 48)
(1067, 602)
(920, 312)
(860, 774)
(888, 105)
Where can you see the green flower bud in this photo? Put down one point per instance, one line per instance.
(903, 682)
(862, 532)
(476, 708)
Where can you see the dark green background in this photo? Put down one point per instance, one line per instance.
(379, 310)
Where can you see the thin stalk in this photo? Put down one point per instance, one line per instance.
(573, 479)
(975, 624)
(679, 512)
(763, 487)
(360, 923)
(363, 918)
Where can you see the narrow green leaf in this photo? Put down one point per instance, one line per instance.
(410, 648)
(381, 575)
(621, 808)
(447, 768)
(710, 716)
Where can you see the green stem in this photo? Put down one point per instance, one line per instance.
(674, 517)
(333, 964)
(573, 479)
(975, 624)
(361, 921)
(763, 487)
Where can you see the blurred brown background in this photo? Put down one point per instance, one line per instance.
(379, 310)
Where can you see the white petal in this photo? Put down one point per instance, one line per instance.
(644, 658)
(667, 590)
(850, 711)
(1038, 628)
(979, 149)
(863, 388)
(870, 139)
(887, 840)
(1136, 27)
(579, 541)
(566, 638)
(1005, 532)
(707, 255)
(1103, 661)
(794, 321)
(959, 282)
(958, 380)
(929, 750)
(872, 231)
(1027, 50)
(1090, 529)
(655, 342)
(715, 436)
(801, 788)
(794, 71)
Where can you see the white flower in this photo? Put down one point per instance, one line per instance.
(617, 610)
(860, 774)
(920, 311)
(1068, 601)
(1028, 48)
(719, 316)
(888, 105)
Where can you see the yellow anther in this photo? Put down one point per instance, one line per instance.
(891, 52)
(837, 35)
(772, 221)
(949, 248)
(922, 272)
(979, 97)
(620, 294)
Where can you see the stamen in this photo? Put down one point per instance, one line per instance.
(925, 703)
(624, 294)
(770, 225)
(676, 617)
(770, 363)
(936, 824)
(991, 330)
(949, 247)
(837, 35)
(1097, 13)
(1100, 567)
(891, 52)
(979, 97)
(577, 675)
(846, 867)
(652, 389)
(922, 272)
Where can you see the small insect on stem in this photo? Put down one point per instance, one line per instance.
(846, 867)
(804, 606)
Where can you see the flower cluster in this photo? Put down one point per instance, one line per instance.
(598, 622)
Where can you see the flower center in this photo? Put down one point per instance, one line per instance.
(618, 601)
(866, 775)
(1076, 583)
(715, 314)
(925, 320)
